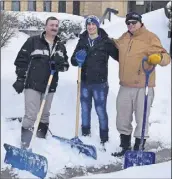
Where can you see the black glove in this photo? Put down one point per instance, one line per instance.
(62, 67)
(19, 85)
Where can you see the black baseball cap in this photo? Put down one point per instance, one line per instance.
(134, 16)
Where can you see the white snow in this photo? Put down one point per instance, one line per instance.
(62, 119)
(44, 15)
(169, 4)
(161, 170)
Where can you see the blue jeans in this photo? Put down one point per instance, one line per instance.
(99, 93)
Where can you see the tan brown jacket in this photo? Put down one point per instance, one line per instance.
(132, 49)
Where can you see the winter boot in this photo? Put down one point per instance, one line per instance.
(42, 130)
(86, 131)
(125, 144)
(137, 144)
(26, 135)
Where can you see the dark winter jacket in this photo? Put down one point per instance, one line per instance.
(33, 62)
(95, 67)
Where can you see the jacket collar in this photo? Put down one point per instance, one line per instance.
(42, 36)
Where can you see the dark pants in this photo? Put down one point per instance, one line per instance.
(99, 93)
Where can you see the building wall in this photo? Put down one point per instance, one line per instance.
(94, 8)
(147, 6)
(82, 5)
(98, 8)
(24, 5)
(54, 6)
(7, 5)
(121, 6)
(86, 8)
(39, 5)
(69, 7)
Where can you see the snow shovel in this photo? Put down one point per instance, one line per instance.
(75, 142)
(139, 158)
(25, 159)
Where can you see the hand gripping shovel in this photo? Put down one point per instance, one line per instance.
(88, 150)
(25, 159)
(139, 158)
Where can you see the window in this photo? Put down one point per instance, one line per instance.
(2, 5)
(15, 6)
(47, 6)
(76, 7)
(62, 6)
(31, 5)
(140, 3)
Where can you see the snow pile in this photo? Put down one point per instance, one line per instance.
(44, 15)
(162, 170)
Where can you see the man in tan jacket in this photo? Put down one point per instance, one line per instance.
(133, 46)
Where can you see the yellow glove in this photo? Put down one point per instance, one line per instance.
(155, 59)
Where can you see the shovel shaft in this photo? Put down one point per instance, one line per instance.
(78, 101)
(144, 114)
(41, 109)
(147, 76)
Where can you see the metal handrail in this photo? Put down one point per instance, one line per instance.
(108, 11)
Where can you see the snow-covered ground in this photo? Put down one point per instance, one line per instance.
(62, 119)
(162, 170)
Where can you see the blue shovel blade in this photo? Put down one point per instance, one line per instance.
(88, 150)
(25, 160)
(138, 158)
(76, 140)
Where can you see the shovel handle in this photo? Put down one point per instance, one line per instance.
(147, 71)
(147, 75)
(78, 101)
(41, 109)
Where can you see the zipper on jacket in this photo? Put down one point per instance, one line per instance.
(48, 48)
(130, 46)
(27, 72)
(53, 49)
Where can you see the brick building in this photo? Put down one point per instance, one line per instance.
(82, 8)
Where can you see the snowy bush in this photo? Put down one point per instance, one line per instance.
(31, 21)
(68, 29)
(8, 24)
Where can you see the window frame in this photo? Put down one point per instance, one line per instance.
(44, 5)
(34, 5)
(62, 7)
(2, 5)
(14, 6)
(140, 3)
(76, 11)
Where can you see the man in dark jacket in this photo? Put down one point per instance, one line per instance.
(93, 51)
(33, 71)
